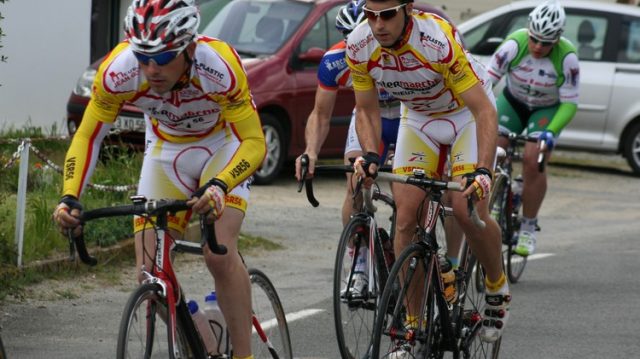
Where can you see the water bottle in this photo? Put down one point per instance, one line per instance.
(217, 323)
(516, 189)
(448, 279)
(202, 323)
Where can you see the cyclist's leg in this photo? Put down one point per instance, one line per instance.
(486, 242)
(534, 185)
(232, 282)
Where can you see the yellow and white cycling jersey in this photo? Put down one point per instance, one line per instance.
(215, 98)
(427, 70)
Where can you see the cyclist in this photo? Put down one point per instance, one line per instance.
(540, 98)
(332, 74)
(202, 131)
(446, 101)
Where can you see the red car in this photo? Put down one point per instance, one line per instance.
(281, 43)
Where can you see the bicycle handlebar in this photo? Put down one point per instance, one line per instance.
(140, 207)
(516, 138)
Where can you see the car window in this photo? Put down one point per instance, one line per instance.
(257, 26)
(587, 33)
(630, 45)
(334, 34)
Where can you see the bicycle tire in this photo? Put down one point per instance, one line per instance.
(509, 224)
(354, 317)
(267, 309)
(3, 354)
(469, 317)
(144, 328)
(391, 332)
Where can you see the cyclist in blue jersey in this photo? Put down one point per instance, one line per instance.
(540, 98)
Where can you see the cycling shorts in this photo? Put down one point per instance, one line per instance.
(389, 136)
(433, 143)
(515, 116)
(176, 170)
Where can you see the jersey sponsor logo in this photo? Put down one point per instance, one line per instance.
(408, 85)
(501, 59)
(457, 157)
(70, 168)
(417, 157)
(209, 72)
(119, 78)
(240, 168)
(574, 74)
(455, 68)
(543, 73)
(388, 61)
(432, 42)
(335, 64)
(355, 47)
(232, 199)
(409, 61)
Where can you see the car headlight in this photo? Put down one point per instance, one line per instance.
(83, 86)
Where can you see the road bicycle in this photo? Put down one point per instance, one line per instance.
(415, 292)
(156, 322)
(504, 209)
(355, 300)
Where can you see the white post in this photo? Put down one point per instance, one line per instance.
(22, 197)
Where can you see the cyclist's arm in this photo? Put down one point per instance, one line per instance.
(82, 156)
(319, 121)
(485, 116)
(569, 91)
(499, 64)
(368, 121)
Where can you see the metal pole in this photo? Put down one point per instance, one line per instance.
(22, 197)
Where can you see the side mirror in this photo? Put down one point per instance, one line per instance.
(487, 47)
(313, 55)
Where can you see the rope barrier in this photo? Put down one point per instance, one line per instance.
(58, 169)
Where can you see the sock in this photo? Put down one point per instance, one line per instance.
(528, 224)
(495, 286)
(361, 261)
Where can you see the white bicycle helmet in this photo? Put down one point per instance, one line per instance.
(349, 16)
(546, 21)
(154, 26)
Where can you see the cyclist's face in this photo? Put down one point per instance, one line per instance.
(386, 25)
(539, 49)
(163, 78)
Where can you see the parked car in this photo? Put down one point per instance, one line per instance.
(607, 37)
(281, 43)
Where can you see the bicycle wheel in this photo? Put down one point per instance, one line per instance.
(403, 332)
(470, 308)
(144, 330)
(3, 355)
(270, 338)
(509, 224)
(354, 310)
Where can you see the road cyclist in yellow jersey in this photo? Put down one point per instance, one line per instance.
(446, 107)
(540, 98)
(202, 131)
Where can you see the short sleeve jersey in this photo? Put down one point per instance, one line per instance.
(427, 70)
(537, 82)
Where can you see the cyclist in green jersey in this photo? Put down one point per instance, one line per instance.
(539, 99)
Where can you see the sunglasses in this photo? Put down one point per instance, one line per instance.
(386, 14)
(542, 43)
(160, 59)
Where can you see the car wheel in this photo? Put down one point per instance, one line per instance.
(632, 148)
(276, 155)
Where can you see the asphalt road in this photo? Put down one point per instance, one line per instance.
(579, 299)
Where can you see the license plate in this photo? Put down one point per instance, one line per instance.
(129, 124)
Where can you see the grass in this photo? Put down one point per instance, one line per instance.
(42, 241)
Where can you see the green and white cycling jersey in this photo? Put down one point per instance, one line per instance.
(537, 82)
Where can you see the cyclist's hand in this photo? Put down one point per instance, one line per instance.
(312, 158)
(212, 199)
(549, 138)
(477, 184)
(367, 165)
(66, 215)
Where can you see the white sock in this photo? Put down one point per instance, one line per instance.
(528, 224)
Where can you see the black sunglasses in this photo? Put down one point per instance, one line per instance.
(386, 14)
(542, 43)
